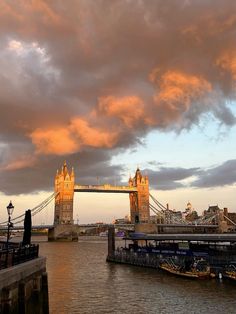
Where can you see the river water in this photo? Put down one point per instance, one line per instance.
(80, 281)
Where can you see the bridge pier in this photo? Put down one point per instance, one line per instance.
(63, 233)
(145, 228)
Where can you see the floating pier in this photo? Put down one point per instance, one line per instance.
(148, 250)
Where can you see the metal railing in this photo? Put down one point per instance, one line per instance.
(17, 254)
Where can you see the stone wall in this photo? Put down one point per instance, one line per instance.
(20, 282)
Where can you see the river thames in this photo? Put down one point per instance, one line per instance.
(80, 281)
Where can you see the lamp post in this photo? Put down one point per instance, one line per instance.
(10, 209)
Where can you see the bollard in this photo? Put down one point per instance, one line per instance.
(111, 242)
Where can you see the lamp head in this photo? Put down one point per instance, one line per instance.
(10, 209)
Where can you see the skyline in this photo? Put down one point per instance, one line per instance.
(112, 86)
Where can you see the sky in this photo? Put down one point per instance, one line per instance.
(110, 86)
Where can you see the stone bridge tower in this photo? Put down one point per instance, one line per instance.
(64, 186)
(139, 201)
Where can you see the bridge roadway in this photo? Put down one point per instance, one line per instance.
(42, 227)
(107, 188)
(126, 226)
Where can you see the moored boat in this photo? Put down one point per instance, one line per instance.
(103, 234)
(230, 271)
(198, 269)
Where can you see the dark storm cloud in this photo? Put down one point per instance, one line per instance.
(221, 175)
(84, 79)
(170, 178)
(89, 169)
(165, 178)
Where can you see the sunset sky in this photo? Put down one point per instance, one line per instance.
(112, 85)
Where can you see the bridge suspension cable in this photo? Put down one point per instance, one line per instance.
(34, 211)
(231, 221)
(156, 211)
(158, 203)
(165, 213)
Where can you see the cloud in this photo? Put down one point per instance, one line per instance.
(176, 93)
(130, 110)
(56, 141)
(92, 136)
(72, 138)
(98, 76)
(170, 178)
(222, 175)
(89, 168)
(227, 63)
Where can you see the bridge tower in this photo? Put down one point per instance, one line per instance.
(139, 201)
(64, 186)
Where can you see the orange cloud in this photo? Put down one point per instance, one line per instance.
(227, 62)
(129, 109)
(56, 141)
(70, 139)
(22, 162)
(42, 9)
(91, 136)
(177, 92)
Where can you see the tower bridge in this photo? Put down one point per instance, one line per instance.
(65, 187)
(140, 206)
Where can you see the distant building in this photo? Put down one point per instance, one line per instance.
(225, 220)
(190, 214)
(122, 221)
(193, 215)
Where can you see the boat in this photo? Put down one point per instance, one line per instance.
(230, 272)
(120, 234)
(103, 234)
(196, 270)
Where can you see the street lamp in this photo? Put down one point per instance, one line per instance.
(10, 209)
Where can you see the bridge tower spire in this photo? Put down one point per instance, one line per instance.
(139, 201)
(64, 186)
